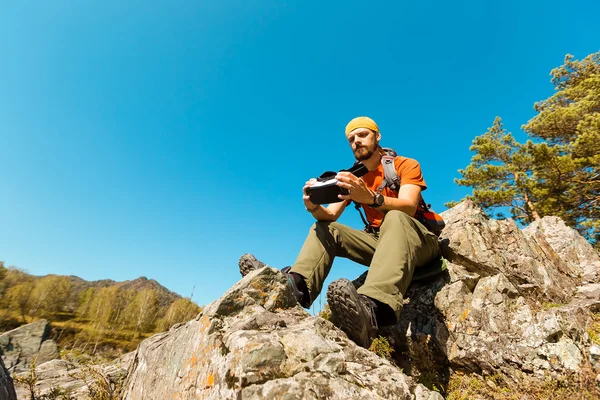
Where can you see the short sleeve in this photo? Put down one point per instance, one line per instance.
(409, 171)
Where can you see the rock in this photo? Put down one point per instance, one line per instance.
(487, 247)
(572, 248)
(589, 291)
(595, 355)
(19, 346)
(7, 388)
(69, 376)
(255, 343)
(506, 305)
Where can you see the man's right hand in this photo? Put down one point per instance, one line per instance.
(307, 203)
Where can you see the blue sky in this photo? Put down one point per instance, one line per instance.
(166, 139)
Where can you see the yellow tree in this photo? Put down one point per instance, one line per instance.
(84, 303)
(17, 298)
(49, 295)
(181, 310)
(141, 312)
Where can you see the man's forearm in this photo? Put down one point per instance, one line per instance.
(323, 214)
(392, 203)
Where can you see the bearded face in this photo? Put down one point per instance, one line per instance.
(363, 142)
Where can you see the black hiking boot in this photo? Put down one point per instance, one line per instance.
(353, 313)
(298, 287)
(249, 263)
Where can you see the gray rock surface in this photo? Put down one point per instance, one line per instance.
(569, 245)
(255, 343)
(19, 346)
(518, 303)
(73, 378)
(512, 302)
(7, 388)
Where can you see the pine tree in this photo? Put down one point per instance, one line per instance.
(557, 172)
(500, 174)
(567, 163)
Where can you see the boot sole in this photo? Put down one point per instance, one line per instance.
(249, 263)
(346, 311)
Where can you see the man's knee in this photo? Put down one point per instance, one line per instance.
(396, 216)
(325, 226)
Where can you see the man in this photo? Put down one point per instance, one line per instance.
(393, 245)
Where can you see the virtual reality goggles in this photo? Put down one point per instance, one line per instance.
(326, 190)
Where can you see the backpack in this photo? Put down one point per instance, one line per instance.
(424, 214)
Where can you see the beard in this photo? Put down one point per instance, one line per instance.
(364, 153)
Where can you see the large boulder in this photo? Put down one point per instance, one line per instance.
(572, 248)
(256, 343)
(7, 388)
(513, 303)
(21, 345)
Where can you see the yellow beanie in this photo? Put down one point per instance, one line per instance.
(361, 122)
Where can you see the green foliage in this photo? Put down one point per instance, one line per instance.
(381, 346)
(325, 313)
(594, 329)
(557, 172)
(500, 174)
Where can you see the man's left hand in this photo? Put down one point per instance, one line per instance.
(356, 186)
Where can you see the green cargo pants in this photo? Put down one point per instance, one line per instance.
(402, 245)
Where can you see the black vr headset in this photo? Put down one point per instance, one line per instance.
(326, 190)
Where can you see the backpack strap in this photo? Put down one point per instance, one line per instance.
(391, 178)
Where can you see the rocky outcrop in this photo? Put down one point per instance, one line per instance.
(7, 388)
(515, 303)
(19, 346)
(74, 379)
(256, 343)
(569, 245)
(519, 305)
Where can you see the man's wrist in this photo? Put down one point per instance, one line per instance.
(378, 200)
(314, 209)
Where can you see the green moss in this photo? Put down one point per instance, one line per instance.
(548, 305)
(594, 328)
(381, 346)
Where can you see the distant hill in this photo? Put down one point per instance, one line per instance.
(102, 315)
(165, 296)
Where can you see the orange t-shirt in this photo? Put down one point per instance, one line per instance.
(409, 172)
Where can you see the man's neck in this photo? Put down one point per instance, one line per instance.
(373, 162)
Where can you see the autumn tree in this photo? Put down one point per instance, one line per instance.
(141, 312)
(2, 276)
(49, 295)
(84, 303)
(99, 313)
(17, 287)
(181, 310)
(124, 299)
(2, 271)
